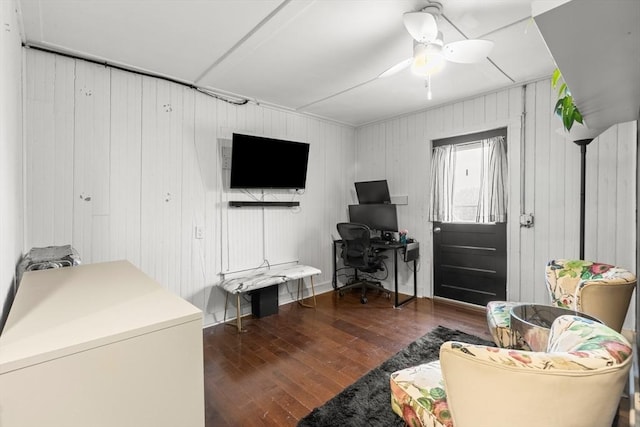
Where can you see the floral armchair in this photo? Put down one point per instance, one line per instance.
(578, 381)
(600, 290)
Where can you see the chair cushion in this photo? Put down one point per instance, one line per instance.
(418, 396)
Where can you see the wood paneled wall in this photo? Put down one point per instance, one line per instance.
(544, 178)
(125, 167)
(11, 187)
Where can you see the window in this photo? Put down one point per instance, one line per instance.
(466, 182)
(469, 178)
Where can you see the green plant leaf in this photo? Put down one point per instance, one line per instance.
(577, 116)
(567, 112)
(558, 108)
(565, 108)
(567, 122)
(567, 103)
(555, 77)
(563, 90)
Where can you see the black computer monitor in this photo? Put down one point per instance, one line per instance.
(373, 192)
(379, 217)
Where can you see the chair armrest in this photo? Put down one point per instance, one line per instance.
(525, 360)
(586, 338)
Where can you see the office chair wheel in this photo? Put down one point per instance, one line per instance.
(364, 300)
(341, 293)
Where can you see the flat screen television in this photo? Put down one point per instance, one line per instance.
(373, 192)
(259, 162)
(379, 217)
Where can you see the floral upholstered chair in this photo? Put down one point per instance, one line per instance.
(577, 381)
(600, 290)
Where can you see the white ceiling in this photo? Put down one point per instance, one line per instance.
(319, 57)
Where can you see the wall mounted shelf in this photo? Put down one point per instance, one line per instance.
(242, 204)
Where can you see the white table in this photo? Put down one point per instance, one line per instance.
(269, 277)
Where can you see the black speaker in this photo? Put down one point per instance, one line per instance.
(264, 302)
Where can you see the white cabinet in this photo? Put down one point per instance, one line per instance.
(100, 345)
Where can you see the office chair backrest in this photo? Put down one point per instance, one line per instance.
(356, 245)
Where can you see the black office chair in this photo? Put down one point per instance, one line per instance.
(358, 254)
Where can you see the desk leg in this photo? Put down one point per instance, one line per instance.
(415, 280)
(335, 275)
(395, 274)
(301, 293)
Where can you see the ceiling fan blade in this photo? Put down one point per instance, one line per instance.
(396, 68)
(467, 51)
(421, 25)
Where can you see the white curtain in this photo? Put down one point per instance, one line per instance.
(492, 205)
(442, 178)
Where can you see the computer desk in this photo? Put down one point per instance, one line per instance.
(381, 245)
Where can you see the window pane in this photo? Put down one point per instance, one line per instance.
(467, 182)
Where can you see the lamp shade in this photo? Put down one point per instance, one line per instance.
(580, 132)
(427, 59)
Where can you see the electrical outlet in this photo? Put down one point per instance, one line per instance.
(199, 232)
(226, 157)
(526, 220)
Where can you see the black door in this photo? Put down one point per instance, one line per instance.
(470, 261)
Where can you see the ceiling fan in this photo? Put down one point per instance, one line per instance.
(430, 54)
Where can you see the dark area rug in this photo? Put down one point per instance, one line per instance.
(367, 402)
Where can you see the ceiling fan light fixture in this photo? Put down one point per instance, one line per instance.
(428, 59)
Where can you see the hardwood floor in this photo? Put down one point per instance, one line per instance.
(286, 364)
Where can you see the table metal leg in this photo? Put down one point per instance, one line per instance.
(239, 317)
(238, 324)
(300, 296)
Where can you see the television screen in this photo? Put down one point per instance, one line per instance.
(380, 217)
(373, 192)
(259, 162)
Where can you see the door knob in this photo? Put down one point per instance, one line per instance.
(437, 230)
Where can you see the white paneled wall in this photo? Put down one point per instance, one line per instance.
(544, 176)
(125, 159)
(11, 170)
(49, 137)
(125, 167)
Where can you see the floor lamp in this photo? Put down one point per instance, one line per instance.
(581, 135)
(583, 174)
